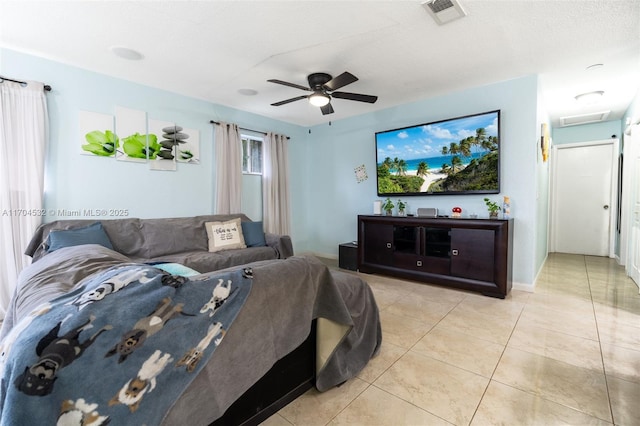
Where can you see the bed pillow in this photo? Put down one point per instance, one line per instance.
(225, 235)
(92, 234)
(253, 234)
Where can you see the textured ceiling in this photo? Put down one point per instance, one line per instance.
(212, 49)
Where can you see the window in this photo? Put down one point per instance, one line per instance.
(251, 154)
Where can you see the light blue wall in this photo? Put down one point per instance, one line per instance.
(75, 181)
(542, 192)
(334, 198)
(587, 132)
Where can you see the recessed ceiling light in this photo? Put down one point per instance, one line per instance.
(126, 53)
(590, 97)
(248, 92)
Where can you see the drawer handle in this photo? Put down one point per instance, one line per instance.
(454, 252)
(419, 263)
(388, 245)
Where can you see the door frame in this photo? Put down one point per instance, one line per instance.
(629, 189)
(613, 206)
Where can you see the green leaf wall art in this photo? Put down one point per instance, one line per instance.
(135, 146)
(131, 136)
(100, 143)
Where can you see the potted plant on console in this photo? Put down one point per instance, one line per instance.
(388, 206)
(493, 208)
(402, 208)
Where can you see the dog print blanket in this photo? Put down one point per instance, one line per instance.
(119, 349)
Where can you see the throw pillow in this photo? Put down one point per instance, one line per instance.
(92, 234)
(253, 234)
(177, 269)
(225, 235)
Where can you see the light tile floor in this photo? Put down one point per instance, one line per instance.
(567, 354)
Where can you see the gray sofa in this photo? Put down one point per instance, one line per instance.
(178, 240)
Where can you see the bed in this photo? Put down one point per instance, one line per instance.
(240, 342)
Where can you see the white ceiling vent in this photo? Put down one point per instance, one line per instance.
(593, 117)
(444, 11)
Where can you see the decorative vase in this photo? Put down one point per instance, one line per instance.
(389, 212)
(493, 215)
(402, 213)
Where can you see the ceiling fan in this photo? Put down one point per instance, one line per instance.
(324, 87)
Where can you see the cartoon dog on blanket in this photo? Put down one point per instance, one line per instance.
(220, 294)
(55, 352)
(194, 355)
(112, 285)
(145, 328)
(80, 413)
(132, 392)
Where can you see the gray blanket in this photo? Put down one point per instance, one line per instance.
(287, 294)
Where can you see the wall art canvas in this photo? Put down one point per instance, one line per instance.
(188, 147)
(131, 128)
(361, 173)
(162, 147)
(97, 137)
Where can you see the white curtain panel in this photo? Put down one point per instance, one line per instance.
(23, 135)
(228, 151)
(276, 215)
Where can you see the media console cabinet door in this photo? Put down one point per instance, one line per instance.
(472, 253)
(378, 240)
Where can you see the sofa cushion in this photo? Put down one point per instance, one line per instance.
(92, 234)
(204, 261)
(225, 235)
(172, 235)
(253, 233)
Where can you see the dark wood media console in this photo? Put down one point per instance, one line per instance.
(471, 254)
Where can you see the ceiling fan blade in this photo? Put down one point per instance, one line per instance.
(355, 97)
(340, 81)
(327, 109)
(286, 83)
(286, 101)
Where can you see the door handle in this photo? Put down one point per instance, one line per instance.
(606, 207)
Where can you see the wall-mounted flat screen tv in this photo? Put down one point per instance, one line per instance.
(455, 156)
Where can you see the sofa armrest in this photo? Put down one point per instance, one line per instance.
(281, 243)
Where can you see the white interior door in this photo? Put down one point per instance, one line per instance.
(583, 203)
(633, 261)
(630, 238)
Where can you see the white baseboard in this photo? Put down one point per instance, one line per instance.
(530, 288)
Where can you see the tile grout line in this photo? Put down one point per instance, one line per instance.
(595, 317)
(498, 363)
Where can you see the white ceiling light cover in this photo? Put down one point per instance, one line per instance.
(319, 99)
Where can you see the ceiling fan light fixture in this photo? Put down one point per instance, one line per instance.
(319, 99)
(590, 97)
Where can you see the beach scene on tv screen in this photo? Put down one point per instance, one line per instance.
(451, 156)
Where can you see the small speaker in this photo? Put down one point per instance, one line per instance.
(427, 212)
